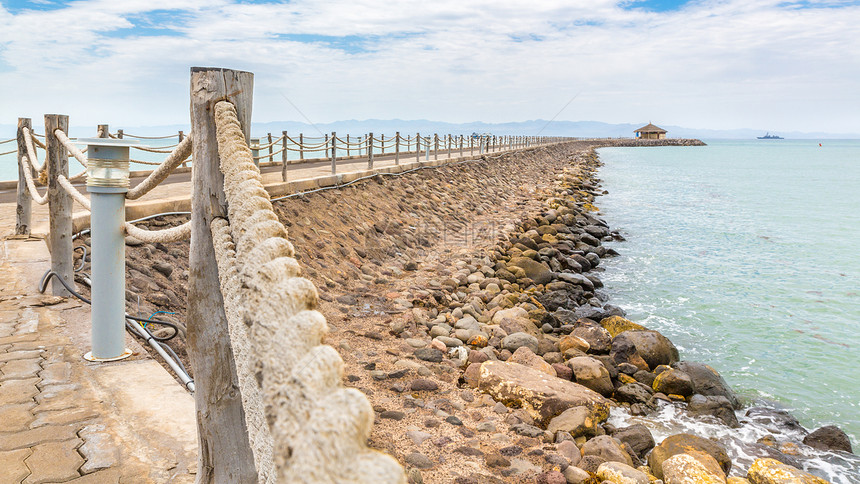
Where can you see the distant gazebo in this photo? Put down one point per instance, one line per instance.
(649, 131)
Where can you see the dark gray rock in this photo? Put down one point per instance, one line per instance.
(715, 406)
(638, 437)
(829, 437)
(429, 354)
(706, 381)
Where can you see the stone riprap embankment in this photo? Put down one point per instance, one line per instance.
(466, 303)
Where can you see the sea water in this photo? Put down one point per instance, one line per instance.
(746, 254)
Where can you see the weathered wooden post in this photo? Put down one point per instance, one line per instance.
(23, 209)
(448, 142)
(427, 151)
(119, 133)
(381, 144)
(103, 131)
(347, 146)
(333, 152)
(255, 150)
(471, 145)
(284, 161)
(370, 151)
(271, 148)
(224, 453)
(59, 205)
(417, 147)
(301, 146)
(461, 146)
(397, 148)
(436, 146)
(180, 137)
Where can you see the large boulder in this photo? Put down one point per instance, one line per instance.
(591, 373)
(686, 469)
(715, 406)
(541, 395)
(606, 448)
(634, 393)
(829, 437)
(638, 437)
(654, 348)
(772, 471)
(673, 382)
(616, 325)
(706, 381)
(688, 444)
(534, 270)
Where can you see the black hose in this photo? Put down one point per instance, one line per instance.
(43, 284)
(83, 256)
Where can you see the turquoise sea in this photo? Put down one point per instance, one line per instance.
(746, 254)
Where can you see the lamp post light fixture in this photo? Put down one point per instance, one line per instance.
(107, 183)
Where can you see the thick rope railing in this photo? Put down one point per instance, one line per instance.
(74, 193)
(73, 150)
(31, 152)
(318, 428)
(173, 234)
(31, 185)
(165, 168)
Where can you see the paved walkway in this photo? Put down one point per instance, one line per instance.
(63, 419)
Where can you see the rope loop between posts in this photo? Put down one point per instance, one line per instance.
(318, 428)
(165, 168)
(173, 234)
(31, 152)
(149, 137)
(28, 176)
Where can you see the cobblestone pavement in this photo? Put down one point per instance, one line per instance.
(54, 427)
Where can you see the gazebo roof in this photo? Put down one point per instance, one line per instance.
(650, 128)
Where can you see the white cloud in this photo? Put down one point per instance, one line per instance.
(716, 64)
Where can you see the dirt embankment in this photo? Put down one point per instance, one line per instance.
(415, 273)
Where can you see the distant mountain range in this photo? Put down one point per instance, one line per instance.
(586, 129)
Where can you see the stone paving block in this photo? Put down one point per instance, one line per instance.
(19, 338)
(20, 355)
(18, 391)
(12, 467)
(99, 449)
(64, 417)
(29, 438)
(15, 418)
(28, 323)
(58, 397)
(54, 462)
(20, 369)
(27, 345)
(54, 373)
(107, 476)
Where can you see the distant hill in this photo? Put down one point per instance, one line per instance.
(586, 129)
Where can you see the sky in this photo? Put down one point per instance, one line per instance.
(722, 64)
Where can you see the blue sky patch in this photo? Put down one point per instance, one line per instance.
(654, 5)
(153, 23)
(525, 38)
(17, 6)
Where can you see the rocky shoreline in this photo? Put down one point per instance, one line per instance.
(466, 304)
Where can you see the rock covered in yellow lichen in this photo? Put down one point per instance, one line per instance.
(617, 325)
(772, 471)
(686, 469)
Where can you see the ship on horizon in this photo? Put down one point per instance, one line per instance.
(769, 136)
